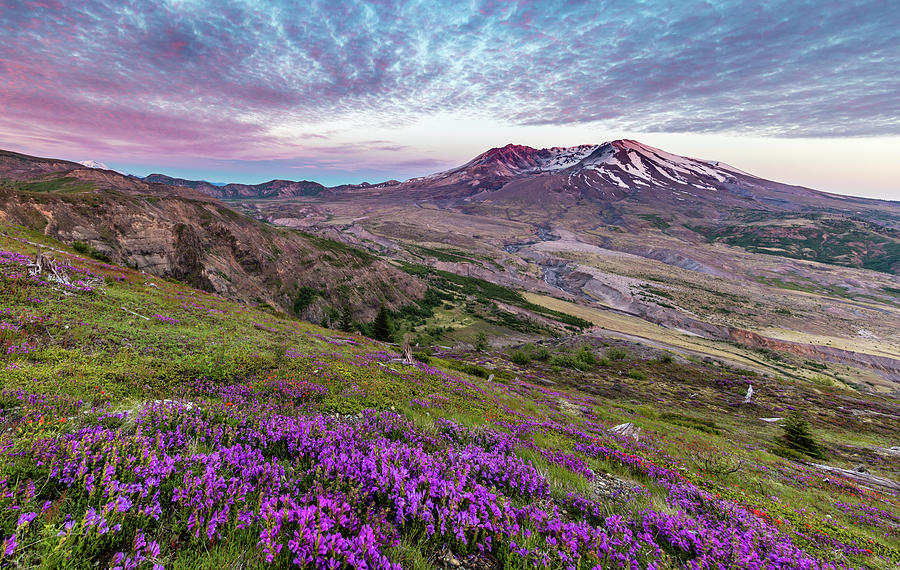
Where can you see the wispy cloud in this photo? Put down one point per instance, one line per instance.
(215, 78)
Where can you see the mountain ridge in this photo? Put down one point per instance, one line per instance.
(275, 188)
(621, 169)
(182, 233)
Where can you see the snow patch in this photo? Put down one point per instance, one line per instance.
(564, 157)
(615, 179)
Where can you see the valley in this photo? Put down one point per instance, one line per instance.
(562, 223)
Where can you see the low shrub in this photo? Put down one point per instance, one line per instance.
(520, 357)
(569, 361)
(617, 353)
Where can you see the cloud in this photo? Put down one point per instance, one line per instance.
(218, 78)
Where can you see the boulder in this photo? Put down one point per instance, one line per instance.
(627, 430)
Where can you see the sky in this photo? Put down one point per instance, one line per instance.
(804, 92)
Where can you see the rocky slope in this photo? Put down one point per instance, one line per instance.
(177, 232)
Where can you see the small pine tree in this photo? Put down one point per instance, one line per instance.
(381, 326)
(346, 322)
(798, 436)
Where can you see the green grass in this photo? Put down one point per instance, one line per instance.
(64, 184)
(361, 257)
(636, 374)
(88, 249)
(520, 357)
(699, 424)
(448, 255)
(617, 353)
(485, 292)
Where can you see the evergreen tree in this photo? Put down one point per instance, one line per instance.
(798, 437)
(381, 326)
(346, 322)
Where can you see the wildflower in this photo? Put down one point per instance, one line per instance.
(9, 545)
(25, 518)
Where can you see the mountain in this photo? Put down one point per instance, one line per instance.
(615, 171)
(270, 189)
(199, 185)
(179, 232)
(621, 163)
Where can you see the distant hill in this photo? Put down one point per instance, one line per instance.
(270, 189)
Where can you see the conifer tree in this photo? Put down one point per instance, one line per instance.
(798, 437)
(381, 326)
(346, 322)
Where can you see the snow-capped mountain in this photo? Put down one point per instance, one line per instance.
(629, 163)
(94, 164)
(612, 171)
(621, 163)
(518, 159)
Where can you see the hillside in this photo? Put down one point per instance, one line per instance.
(176, 232)
(145, 424)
